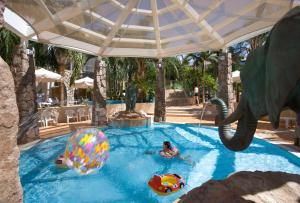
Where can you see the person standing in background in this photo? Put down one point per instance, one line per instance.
(196, 94)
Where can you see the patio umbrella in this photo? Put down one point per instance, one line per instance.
(236, 76)
(84, 83)
(43, 75)
(147, 28)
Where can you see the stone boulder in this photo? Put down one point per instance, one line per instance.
(10, 187)
(259, 187)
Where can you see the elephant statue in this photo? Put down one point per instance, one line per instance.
(271, 83)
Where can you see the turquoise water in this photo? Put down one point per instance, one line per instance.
(108, 101)
(125, 175)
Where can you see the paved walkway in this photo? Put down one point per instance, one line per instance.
(192, 114)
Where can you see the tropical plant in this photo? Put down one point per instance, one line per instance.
(146, 85)
(44, 55)
(190, 77)
(77, 59)
(118, 71)
(202, 59)
(210, 82)
(8, 41)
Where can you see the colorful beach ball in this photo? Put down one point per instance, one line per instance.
(86, 150)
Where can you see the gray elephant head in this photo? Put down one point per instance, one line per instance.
(270, 80)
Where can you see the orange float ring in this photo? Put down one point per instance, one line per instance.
(166, 184)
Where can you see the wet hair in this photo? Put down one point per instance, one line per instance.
(167, 144)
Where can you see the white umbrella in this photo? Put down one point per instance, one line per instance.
(43, 75)
(84, 83)
(236, 76)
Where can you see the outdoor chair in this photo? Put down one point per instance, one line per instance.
(71, 114)
(83, 113)
(41, 121)
(90, 112)
(46, 116)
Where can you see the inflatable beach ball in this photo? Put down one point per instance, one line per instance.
(86, 150)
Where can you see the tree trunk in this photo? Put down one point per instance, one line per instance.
(225, 90)
(61, 85)
(70, 91)
(99, 117)
(62, 58)
(10, 186)
(160, 100)
(203, 85)
(23, 70)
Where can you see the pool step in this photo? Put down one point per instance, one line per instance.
(61, 129)
(52, 131)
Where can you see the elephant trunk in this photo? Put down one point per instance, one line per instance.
(247, 124)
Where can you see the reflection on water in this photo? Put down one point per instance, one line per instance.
(125, 175)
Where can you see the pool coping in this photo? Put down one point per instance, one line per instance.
(278, 143)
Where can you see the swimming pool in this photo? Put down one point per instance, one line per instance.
(125, 175)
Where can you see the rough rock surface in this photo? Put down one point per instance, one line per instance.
(128, 115)
(70, 90)
(225, 90)
(23, 70)
(259, 187)
(10, 187)
(99, 116)
(160, 100)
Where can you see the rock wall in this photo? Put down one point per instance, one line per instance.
(225, 89)
(23, 70)
(10, 187)
(246, 186)
(99, 116)
(70, 91)
(2, 7)
(160, 100)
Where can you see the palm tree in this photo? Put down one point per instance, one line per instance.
(22, 68)
(99, 116)
(8, 131)
(119, 70)
(202, 59)
(160, 101)
(62, 58)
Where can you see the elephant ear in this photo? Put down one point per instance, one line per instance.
(282, 63)
(253, 81)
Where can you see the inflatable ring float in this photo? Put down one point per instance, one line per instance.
(168, 155)
(166, 184)
(60, 162)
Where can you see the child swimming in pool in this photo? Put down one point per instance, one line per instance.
(169, 151)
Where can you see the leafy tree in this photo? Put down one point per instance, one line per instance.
(78, 59)
(201, 59)
(8, 41)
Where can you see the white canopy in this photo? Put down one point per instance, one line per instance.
(236, 76)
(147, 28)
(43, 75)
(84, 83)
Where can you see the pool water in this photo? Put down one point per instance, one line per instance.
(134, 159)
